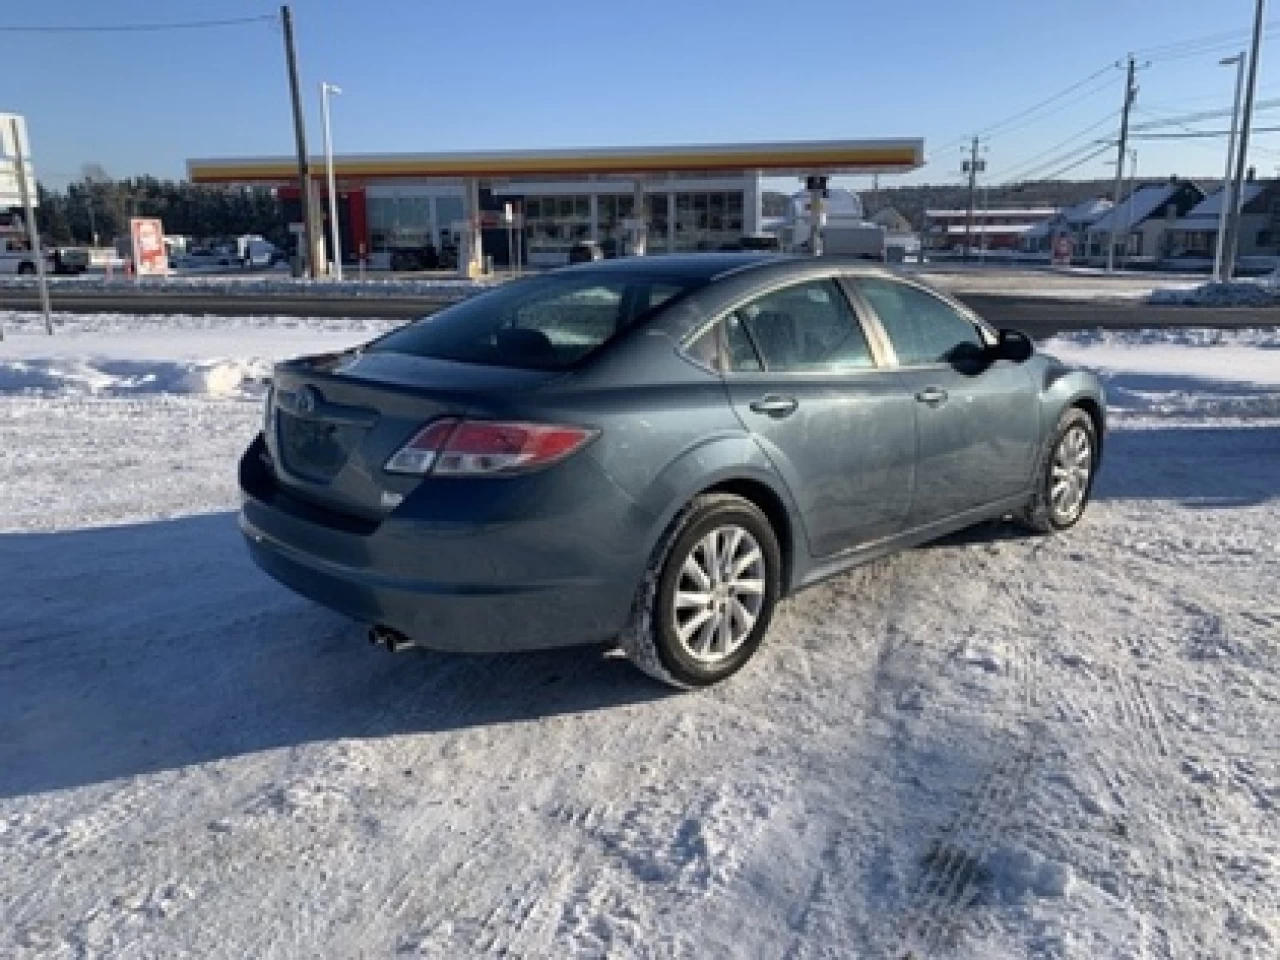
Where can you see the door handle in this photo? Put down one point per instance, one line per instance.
(775, 406)
(933, 396)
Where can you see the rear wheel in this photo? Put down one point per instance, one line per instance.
(1066, 475)
(26, 269)
(706, 601)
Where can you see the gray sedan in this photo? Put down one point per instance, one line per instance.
(653, 452)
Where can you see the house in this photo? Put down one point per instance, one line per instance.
(994, 228)
(1070, 223)
(1195, 236)
(1141, 221)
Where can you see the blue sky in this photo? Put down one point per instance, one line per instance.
(507, 74)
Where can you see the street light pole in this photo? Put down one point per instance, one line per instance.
(1228, 192)
(1242, 155)
(326, 89)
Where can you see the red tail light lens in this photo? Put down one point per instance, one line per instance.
(480, 447)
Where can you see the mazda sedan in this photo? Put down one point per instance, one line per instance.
(653, 452)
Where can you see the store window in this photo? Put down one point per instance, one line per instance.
(555, 224)
(706, 221)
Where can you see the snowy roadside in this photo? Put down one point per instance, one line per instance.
(257, 285)
(992, 747)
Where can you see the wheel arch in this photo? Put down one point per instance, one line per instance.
(1094, 409)
(775, 510)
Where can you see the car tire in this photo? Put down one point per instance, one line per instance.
(26, 269)
(1044, 513)
(665, 636)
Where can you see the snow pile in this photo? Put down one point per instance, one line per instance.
(122, 355)
(1239, 293)
(442, 289)
(231, 377)
(1193, 372)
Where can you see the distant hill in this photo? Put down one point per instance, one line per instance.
(912, 201)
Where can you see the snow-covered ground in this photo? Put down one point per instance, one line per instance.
(997, 746)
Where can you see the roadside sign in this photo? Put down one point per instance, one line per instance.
(21, 191)
(150, 259)
(1062, 248)
(14, 142)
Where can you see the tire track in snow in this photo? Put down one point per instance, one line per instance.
(953, 874)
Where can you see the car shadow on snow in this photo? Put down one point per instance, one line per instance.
(1196, 466)
(133, 649)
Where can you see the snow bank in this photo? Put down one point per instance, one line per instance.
(124, 355)
(231, 377)
(1239, 293)
(1192, 372)
(436, 288)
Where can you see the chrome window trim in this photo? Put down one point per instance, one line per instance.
(879, 356)
(985, 331)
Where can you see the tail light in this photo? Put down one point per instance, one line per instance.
(482, 447)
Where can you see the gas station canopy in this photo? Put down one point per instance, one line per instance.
(829, 157)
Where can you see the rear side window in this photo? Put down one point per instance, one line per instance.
(804, 327)
(544, 323)
(922, 328)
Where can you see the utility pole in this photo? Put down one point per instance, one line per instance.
(1133, 185)
(971, 165)
(1225, 204)
(1233, 225)
(300, 136)
(1130, 92)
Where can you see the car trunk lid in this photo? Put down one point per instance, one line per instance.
(335, 420)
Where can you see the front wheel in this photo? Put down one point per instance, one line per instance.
(706, 601)
(1066, 475)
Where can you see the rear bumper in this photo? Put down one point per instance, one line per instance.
(459, 585)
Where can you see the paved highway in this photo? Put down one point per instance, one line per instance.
(1037, 316)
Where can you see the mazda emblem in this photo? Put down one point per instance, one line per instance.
(308, 400)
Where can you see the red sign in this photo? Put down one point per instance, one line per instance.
(149, 255)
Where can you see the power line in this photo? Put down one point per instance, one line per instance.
(1158, 121)
(1036, 160)
(140, 27)
(1190, 134)
(1048, 100)
(1071, 166)
(1211, 49)
(1223, 36)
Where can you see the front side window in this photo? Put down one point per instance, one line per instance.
(545, 323)
(805, 327)
(922, 328)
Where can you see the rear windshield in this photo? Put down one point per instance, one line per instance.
(542, 323)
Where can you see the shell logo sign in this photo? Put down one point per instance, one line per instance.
(150, 258)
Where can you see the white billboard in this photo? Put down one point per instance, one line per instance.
(10, 145)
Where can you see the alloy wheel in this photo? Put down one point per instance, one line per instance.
(1070, 475)
(719, 594)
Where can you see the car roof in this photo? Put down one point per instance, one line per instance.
(695, 266)
(712, 266)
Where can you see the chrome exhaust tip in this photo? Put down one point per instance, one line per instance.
(384, 636)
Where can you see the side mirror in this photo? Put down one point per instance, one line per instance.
(1014, 345)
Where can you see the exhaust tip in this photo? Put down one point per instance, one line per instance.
(384, 636)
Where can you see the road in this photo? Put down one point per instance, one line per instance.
(1038, 316)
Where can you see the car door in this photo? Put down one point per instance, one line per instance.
(977, 418)
(835, 422)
